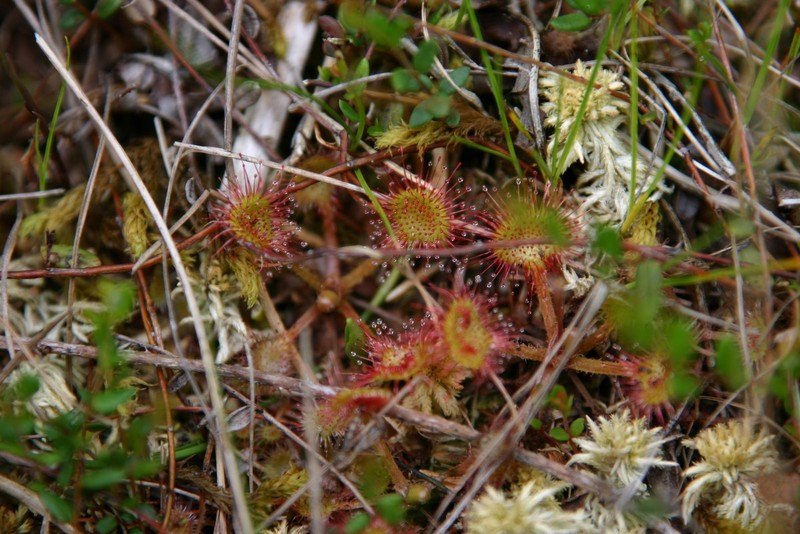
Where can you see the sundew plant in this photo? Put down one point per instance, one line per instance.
(375, 267)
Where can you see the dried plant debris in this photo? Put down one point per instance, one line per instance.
(359, 267)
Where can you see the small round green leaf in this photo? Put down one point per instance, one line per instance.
(590, 7)
(607, 241)
(424, 57)
(391, 508)
(559, 434)
(403, 82)
(358, 523)
(60, 508)
(571, 22)
(453, 118)
(106, 8)
(577, 427)
(438, 106)
(108, 401)
(420, 116)
(96, 479)
(26, 387)
(729, 363)
(106, 525)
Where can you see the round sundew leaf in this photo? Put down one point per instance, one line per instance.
(468, 339)
(251, 221)
(420, 217)
(526, 218)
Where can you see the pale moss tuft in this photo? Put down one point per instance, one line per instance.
(19, 521)
(644, 231)
(134, 223)
(403, 136)
(724, 483)
(530, 509)
(621, 449)
(645, 226)
(58, 216)
(276, 489)
(242, 263)
(283, 528)
(604, 112)
(472, 123)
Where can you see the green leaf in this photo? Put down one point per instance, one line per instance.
(577, 427)
(190, 449)
(572, 22)
(374, 24)
(106, 525)
(373, 476)
(423, 59)
(459, 77)
(362, 69)
(348, 111)
(536, 424)
(354, 339)
(70, 19)
(144, 469)
(560, 399)
(106, 8)
(61, 509)
(559, 434)
(679, 341)
(590, 7)
(108, 401)
(729, 362)
(26, 387)
(438, 106)
(647, 292)
(420, 116)
(652, 507)
(96, 479)
(358, 523)
(607, 241)
(391, 508)
(119, 299)
(453, 118)
(682, 385)
(403, 82)
(375, 130)
(741, 228)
